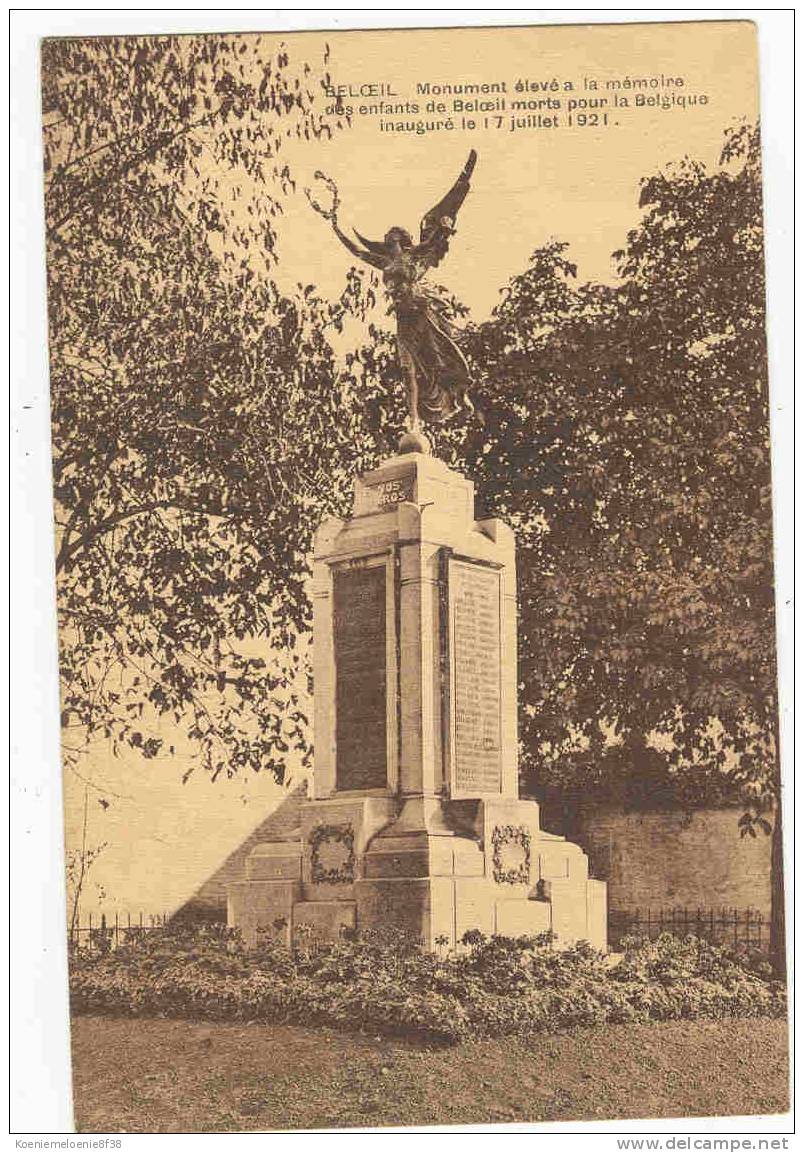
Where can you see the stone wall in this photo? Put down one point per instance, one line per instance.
(676, 859)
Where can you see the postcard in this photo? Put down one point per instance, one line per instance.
(412, 505)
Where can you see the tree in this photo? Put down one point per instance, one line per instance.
(194, 405)
(627, 444)
(78, 865)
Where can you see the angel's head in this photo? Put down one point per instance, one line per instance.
(397, 237)
(437, 226)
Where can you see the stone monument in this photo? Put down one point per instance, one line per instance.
(415, 819)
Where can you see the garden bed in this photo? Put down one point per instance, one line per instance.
(385, 984)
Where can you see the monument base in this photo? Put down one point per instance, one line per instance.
(434, 869)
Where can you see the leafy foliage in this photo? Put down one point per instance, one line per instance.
(194, 405)
(625, 441)
(496, 987)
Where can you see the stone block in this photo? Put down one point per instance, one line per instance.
(324, 919)
(415, 479)
(398, 857)
(455, 857)
(596, 915)
(255, 906)
(442, 911)
(514, 918)
(394, 902)
(468, 859)
(501, 822)
(423, 855)
(552, 863)
(335, 834)
(422, 907)
(559, 859)
(568, 913)
(474, 906)
(441, 860)
(577, 863)
(274, 861)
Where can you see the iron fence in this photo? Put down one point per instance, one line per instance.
(100, 932)
(736, 927)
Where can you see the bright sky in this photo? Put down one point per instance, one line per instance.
(575, 183)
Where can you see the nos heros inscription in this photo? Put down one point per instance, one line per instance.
(475, 645)
(360, 678)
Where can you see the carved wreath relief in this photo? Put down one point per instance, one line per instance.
(332, 854)
(511, 854)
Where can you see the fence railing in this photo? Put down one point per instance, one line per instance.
(736, 927)
(100, 932)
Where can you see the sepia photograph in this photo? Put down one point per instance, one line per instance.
(413, 573)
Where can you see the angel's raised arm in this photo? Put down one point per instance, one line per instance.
(372, 258)
(376, 260)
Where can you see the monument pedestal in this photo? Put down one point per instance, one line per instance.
(415, 819)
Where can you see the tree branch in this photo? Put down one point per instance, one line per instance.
(69, 549)
(163, 140)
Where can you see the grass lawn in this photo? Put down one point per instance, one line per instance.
(166, 1076)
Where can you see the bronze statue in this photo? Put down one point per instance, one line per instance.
(436, 372)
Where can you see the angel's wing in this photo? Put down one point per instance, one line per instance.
(437, 226)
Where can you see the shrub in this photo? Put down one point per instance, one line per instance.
(385, 982)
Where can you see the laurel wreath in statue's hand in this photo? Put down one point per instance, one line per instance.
(328, 213)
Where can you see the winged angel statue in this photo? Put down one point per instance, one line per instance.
(436, 372)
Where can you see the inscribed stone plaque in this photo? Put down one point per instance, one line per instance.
(360, 678)
(475, 648)
(384, 494)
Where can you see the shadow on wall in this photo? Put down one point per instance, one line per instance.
(208, 903)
